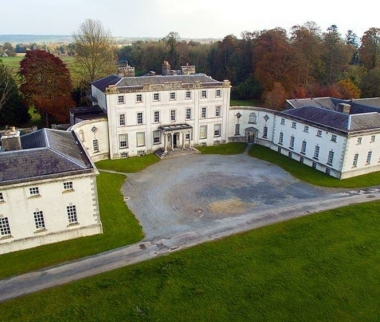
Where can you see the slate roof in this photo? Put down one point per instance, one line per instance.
(46, 154)
(325, 102)
(335, 120)
(140, 81)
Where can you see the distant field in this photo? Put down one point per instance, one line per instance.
(14, 64)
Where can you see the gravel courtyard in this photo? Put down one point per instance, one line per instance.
(198, 192)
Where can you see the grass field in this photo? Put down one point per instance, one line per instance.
(323, 267)
(128, 165)
(310, 175)
(119, 225)
(229, 148)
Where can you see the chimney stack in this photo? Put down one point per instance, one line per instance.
(10, 140)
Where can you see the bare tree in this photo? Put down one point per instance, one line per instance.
(7, 84)
(95, 50)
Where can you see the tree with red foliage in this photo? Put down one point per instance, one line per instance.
(46, 85)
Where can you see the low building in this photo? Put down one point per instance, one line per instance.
(48, 190)
(338, 137)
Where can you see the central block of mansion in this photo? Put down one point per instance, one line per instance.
(182, 109)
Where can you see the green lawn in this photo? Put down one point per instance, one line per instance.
(248, 102)
(229, 148)
(119, 225)
(323, 267)
(310, 175)
(128, 165)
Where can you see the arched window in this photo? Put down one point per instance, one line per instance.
(252, 118)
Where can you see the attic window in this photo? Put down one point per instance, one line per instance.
(120, 99)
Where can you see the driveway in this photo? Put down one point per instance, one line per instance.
(189, 200)
(200, 192)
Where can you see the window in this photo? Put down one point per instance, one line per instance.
(333, 138)
(124, 155)
(156, 97)
(188, 95)
(302, 159)
(172, 96)
(172, 115)
(204, 112)
(316, 152)
(306, 129)
(140, 138)
(373, 138)
(218, 93)
(281, 138)
(303, 148)
(156, 137)
(283, 121)
(330, 158)
(123, 141)
(290, 154)
(68, 185)
(122, 119)
(140, 118)
(359, 141)
(156, 116)
(120, 99)
(355, 162)
(5, 230)
(217, 130)
(187, 136)
(294, 125)
(328, 171)
(95, 145)
(319, 133)
(291, 142)
(314, 165)
(203, 132)
(34, 191)
(369, 156)
(1, 197)
(252, 118)
(279, 149)
(237, 129)
(139, 98)
(204, 94)
(39, 219)
(217, 111)
(265, 132)
(72, 214)
(188, 113)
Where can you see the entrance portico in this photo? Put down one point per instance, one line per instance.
(175, 135)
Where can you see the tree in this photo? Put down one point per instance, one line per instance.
(370, 83)
(46, 85)
(275, 99)
(369, 51)
(95, 50)
(6, 84)
(12, 110)
(348, 89)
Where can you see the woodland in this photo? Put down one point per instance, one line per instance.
(268, 66)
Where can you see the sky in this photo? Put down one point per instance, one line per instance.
(192, 19)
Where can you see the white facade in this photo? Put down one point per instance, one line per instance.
(152, 112)
(337, 152)
(53, 198)
(93, 135)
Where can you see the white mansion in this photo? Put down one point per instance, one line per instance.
(48, 190)
(182, 109)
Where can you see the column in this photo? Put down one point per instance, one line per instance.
(171, 137)
(165, 143)
(190, 135)
(183, 140)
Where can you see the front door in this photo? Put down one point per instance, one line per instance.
(251, 137)
(175, 140)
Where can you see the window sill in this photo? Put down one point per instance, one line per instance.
(35, 196)
(303, 153)
(291, 148)
(73, 224)
(315, 158)
(6, 237)
(329, 163)
(40, 230)
(68, 190)
(252, 122)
